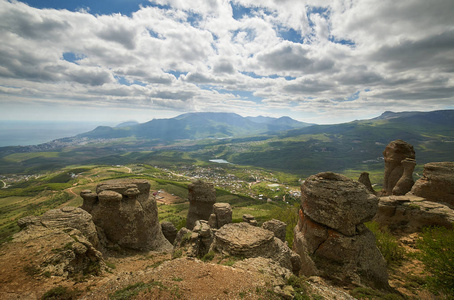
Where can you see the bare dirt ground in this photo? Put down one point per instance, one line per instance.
(182, 278)
(164, 197)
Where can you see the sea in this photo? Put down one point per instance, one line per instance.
(25, 133)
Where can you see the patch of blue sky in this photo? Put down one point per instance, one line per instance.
(342, 41)
(123, 81)
(289, 35)
(72, 57)
(240, 11)
(352, 97)
(318, 10)
(177, 74)
(156, 35)
(273, 76)
(250, 34)
(125, 7)
(194, 18)
(245, 95)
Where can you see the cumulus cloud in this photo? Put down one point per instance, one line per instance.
(321, 62)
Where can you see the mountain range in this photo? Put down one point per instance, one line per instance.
(197, 126)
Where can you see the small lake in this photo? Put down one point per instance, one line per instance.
(219, 161)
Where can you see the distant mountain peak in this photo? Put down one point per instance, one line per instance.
(127, 124)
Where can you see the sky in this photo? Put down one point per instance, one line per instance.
(315, 61)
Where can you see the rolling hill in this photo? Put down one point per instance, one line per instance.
(268, 143)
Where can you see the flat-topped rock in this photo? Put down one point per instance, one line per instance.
(126, 214)
(245, 240)
(411, 213)
(330, 236)
(437, 183)
(201, 196)
(337, 202)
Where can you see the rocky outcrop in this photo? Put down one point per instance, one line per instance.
(169, 231)
(222, 214)
(245, 240)
(279, 228)
(437, 183)
(330, 236)
(364, 179)
(201, 197)
(65, 217)
(409, 213)
(126, 214)
(195, 243)
(64, 237)
(395, 153)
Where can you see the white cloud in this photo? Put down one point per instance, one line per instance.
(287, 57)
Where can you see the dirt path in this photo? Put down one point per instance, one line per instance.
(72, 192)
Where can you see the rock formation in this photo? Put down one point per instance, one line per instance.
(250, 219)
(405, 182)
(126, 214)
(331, 238)
(279, 228)
(201, 196)
(245, 240)
(222, 214)
(409, 213)
(364, 179)
(195, 243)
(169, 231)
(395, 153)
(437, 183)
(65, 237)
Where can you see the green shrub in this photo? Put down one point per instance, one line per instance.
(387, 244)
(299, 284)
(437, 254)
(60, 293)
(289, 215)
(208, 257)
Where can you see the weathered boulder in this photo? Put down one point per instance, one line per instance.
(394, 153)
(337, 202)
(222, 215)
(245, 240)
(169, 231)
(364, 179)
(66, 217)
(333, 241)
(409, 213)
(126, 214)
(437, 183)
(274, 274)
(279, 228)
(201, 197)
(250, 219)
(64, 237)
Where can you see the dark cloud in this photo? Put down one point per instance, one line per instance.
(121, 35)
(92, 76)
(432, 51)
(223, 67)
(293, 57)
(32, 26)
(179, 95)
(308, 86)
